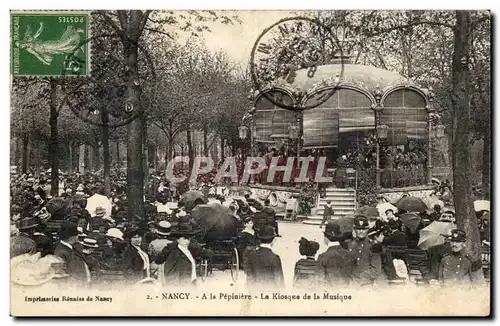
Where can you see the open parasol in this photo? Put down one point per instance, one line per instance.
(411, 204)
(215, 221)
(98, 200)
(410, 220)
(434, 234)
(192, 198)
(368, 211)
(482, 205)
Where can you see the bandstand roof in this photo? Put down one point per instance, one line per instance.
(350, 108)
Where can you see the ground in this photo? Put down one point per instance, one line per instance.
(286, 246)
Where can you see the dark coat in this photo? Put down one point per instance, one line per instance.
(43, 243)
(246, 242)
(397, 238)
(334, 267)
(366, 263)
(74, 263)
(305, 274)
(177, 266)
(133, 265)
(264, 270)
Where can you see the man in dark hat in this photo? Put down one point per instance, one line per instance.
(263, 266)
(458, 267)
(366, 262)
(334, 265)
(74, 264)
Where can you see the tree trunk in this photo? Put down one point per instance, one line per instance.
(54, 160)
(205, 142)
(145, 148)
(460, 98)
(485, 191)
(135, 190)
(106, 153)
(190, 149)
(91, 156)
(118, 160)
(81, 159)
(70, 157)
(26, 154)
(221, 148)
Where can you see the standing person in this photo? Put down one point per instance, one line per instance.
(180, 264)
(366, 262)
(334, 265)
(247, 240)
(457, 267)
(304, 276)
(162, 231)
(136, 265)
(74, 264)
(263, 267)
(271, 216)
(327, 213)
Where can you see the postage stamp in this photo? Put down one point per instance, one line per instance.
(50, 43)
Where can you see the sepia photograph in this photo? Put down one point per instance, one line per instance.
(250, 163)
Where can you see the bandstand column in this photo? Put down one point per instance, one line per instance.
(430, 110)
(377, 93)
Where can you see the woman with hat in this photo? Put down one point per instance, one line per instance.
(136, 265)
(263, 266)
(304, 277)
(179, 261)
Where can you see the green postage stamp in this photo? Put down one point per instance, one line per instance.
(50, 43)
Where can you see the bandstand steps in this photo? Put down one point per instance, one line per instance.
(343, 202)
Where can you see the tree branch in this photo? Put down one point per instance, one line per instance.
(159, 32)
(109, 20)
(422, 22)
(144, 20)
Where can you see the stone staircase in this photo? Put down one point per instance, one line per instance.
(342, 200)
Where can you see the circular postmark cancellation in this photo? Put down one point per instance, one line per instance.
(111, 102)
(289, 45)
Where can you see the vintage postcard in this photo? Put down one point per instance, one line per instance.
(250, 163)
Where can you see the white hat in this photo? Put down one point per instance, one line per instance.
(88, 242)
(344, 157)
(181, 213)
(115, 233)
(163, 209)
(163, 228)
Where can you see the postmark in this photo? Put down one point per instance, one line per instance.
(289, 45)
(102, 100)
(43, 42)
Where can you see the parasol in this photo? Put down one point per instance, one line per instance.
(368, 211)
(434, 234)
(98, 200)
(192, 198)
(215, 221)
(482, 205)
(410, 220)
(412, 204)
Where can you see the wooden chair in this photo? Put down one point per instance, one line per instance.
(486, 261)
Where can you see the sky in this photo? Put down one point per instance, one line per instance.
(238, 39)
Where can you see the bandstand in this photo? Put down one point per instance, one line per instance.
(364, 102)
